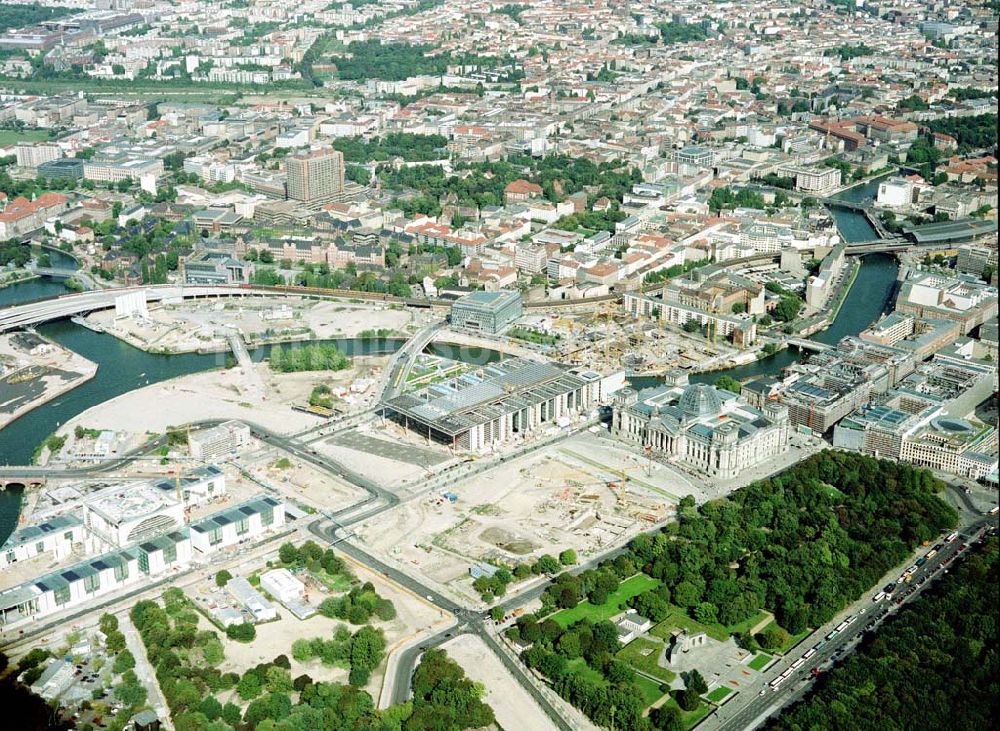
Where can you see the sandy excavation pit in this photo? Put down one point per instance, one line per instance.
(543, 503)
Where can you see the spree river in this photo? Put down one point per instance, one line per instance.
(869, 298)
(123, 368)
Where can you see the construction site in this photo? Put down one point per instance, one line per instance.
(299, 481)
(586, 493)
(34, 370)
(610, 338)
(205, 325)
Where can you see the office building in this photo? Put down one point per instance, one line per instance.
(695, 156)
(316, 177)
(82, 582)
(214, 267)
(897, 191)
(672, 306)
(964, 299)
(820, 286)
(21, 216)
(220, 441)
(499, 402)
(819, 399)
(817, 180)
(958, 446)
(69, 587)
(487, 312)
(56, 538)
(195, 486)
(975, 258)
(163, 552)
(32, 154)
(123, 514)
(114, 170)
(883, 365)
(879, 430)
(710, 430)
(63, 168)
(241, 523)
(921, 336)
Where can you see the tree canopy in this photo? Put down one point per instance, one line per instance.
(934, 665)
(803, 544)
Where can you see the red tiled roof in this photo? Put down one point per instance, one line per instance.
(21, 206)
(523, 187)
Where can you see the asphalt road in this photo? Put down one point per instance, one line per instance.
(469, 622)
(334, 528)
(755, 703)
(394, 377)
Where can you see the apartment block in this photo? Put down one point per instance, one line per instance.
(316, 177)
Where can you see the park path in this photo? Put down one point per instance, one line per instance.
(144, 670)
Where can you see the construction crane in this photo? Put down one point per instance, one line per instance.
(620, 487)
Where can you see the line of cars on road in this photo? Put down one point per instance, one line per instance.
(806, 656)
(907, 577)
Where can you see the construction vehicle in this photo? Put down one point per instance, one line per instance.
(26, 374)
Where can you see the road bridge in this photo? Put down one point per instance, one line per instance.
(396, 372)
(16, 479)
(804, 344)
(845, 204)
(54, 272)
(37, 312)
(81, 303)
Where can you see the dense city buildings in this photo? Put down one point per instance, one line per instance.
(393, 313)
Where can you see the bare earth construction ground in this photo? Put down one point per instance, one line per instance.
(513, 706)
(192, 326)
(563, 496)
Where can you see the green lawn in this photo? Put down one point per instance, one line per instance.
(748, 624)
(579, 666)
(632, 653)
(13, 136)
(793, 640)
(678, 619)
(335, 582)
(650, 690)
(759, 662)
(719, 693)
(625, 591)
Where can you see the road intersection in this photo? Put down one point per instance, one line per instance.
(743, 710)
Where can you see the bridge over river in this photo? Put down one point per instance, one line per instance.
(34, 313)
(805, 344)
